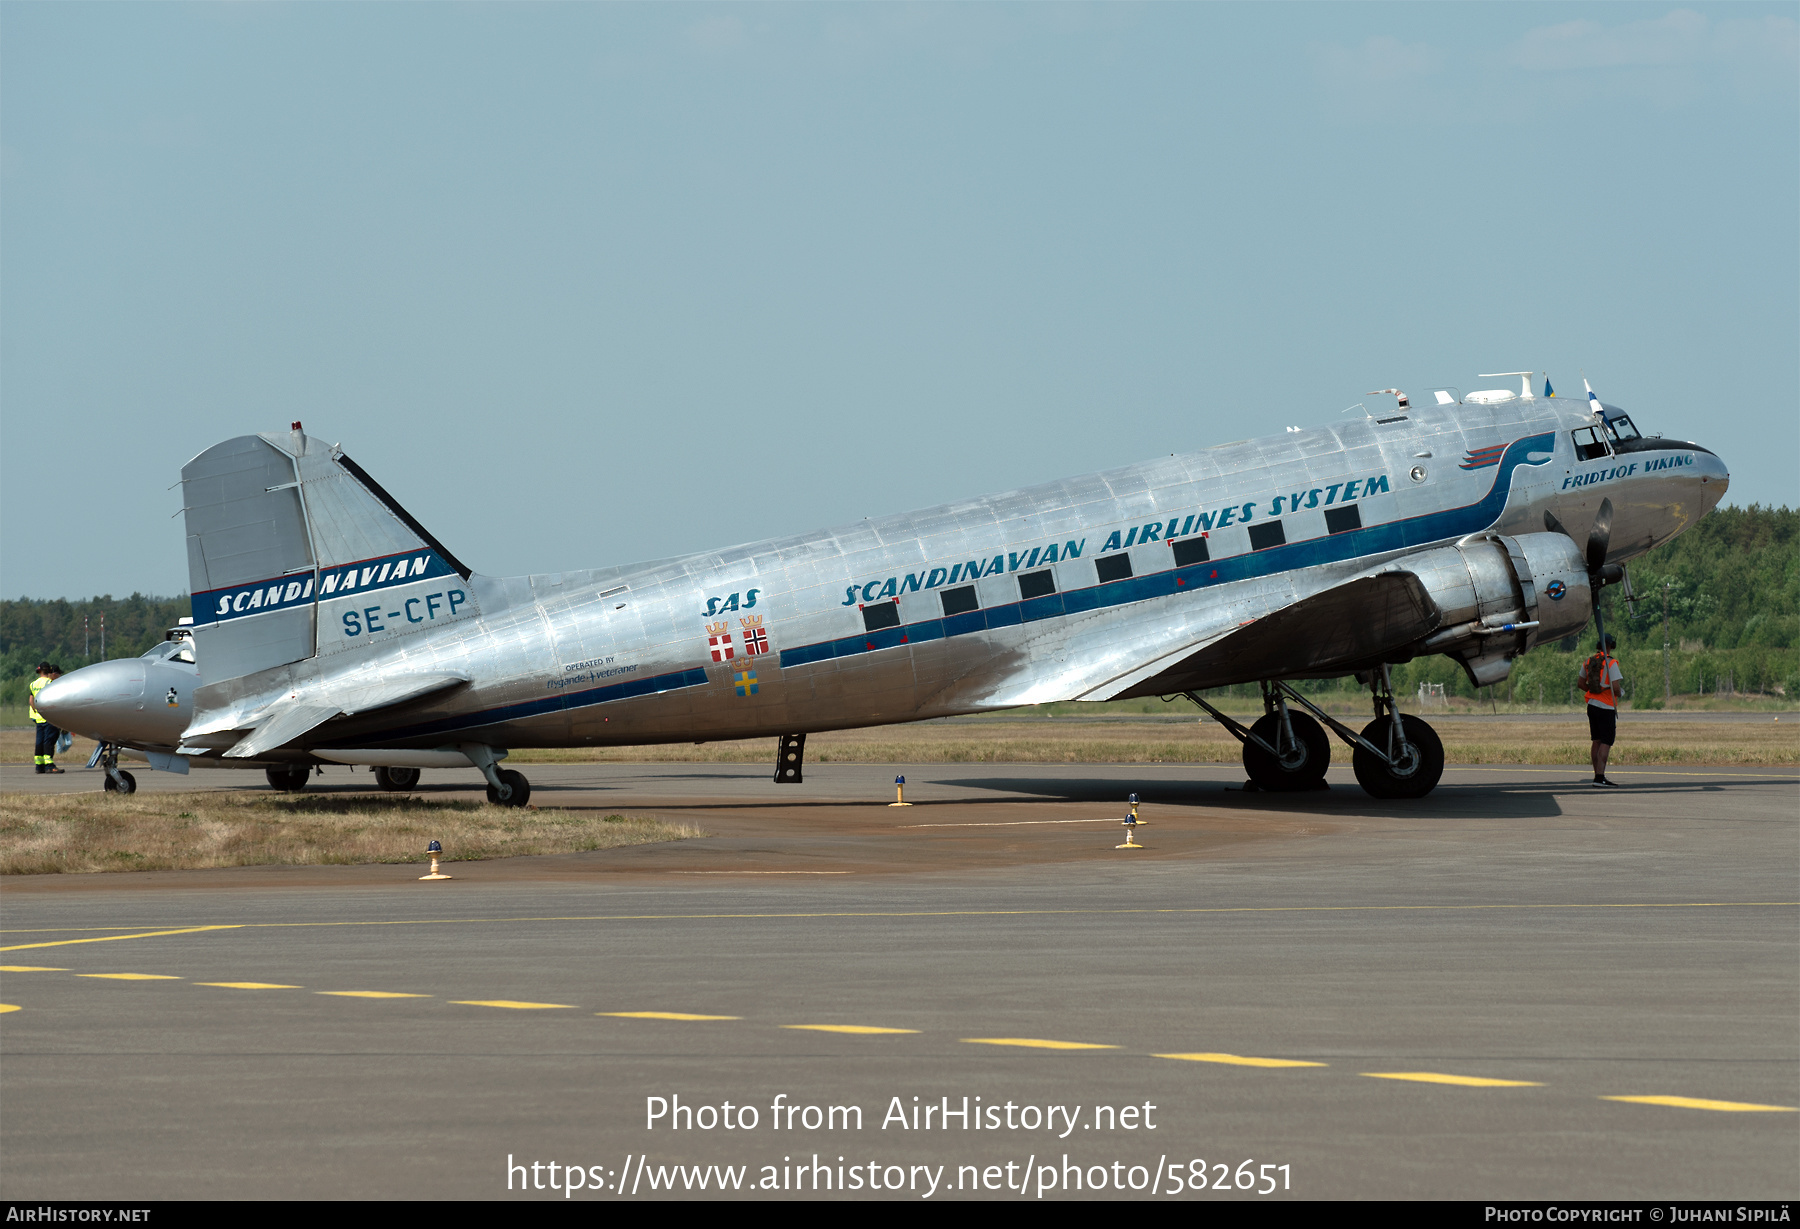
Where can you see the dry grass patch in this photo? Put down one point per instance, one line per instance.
(50, 834)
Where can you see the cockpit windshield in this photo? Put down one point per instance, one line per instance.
(173, 650)
(1621, 428)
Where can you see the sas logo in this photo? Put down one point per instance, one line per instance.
(1555, 590)
(719, 605)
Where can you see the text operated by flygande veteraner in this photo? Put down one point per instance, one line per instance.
(680, 1120)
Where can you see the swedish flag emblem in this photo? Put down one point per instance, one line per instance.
(746, 682)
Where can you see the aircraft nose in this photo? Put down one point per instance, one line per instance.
(1715, 479)
(72, 701)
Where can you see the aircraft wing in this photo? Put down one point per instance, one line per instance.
(1327, 632)
(285, 721)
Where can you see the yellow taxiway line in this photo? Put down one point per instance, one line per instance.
(858, 1029)
(148, 934)
(1698, 1103)
(1438, 1077)
(1240, 1060)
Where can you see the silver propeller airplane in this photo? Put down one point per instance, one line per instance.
(330, 627)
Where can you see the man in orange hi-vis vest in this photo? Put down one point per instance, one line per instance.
(1604, 685)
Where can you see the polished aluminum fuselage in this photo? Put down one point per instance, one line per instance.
(639, 654)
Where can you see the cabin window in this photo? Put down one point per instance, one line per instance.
(1343, 520)
(880, 615)
(960, 600)
(1190, 551)
(1269, 533)
(1588, 444)
(1113, 567)
(1621, 427)
(1037, 584)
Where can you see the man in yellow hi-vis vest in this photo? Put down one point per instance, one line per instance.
(47, 734)
(1604, 684)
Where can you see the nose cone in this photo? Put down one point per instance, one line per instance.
(103, 701)
(1715, 480)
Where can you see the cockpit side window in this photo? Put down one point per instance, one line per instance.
(1588, 444)
(1621, 427)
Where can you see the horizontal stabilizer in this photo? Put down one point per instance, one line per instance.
(1345, 627)
(286, 722)
(283, 725)
(389, 692)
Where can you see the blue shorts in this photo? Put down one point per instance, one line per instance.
(1603, 724)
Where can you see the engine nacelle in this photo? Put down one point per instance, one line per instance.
(1487, 588)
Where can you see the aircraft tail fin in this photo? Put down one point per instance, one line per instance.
(294, 551)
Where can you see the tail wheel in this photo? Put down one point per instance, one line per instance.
(1420, 760)
(1309, 758)
(516, 782)
(396, 778)
(126, 784)
(288, 780)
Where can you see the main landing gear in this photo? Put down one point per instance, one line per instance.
(1394, 756)
(1285, 751)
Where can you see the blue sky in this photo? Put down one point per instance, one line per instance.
(585, 284)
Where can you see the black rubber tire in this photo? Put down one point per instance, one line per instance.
(521, 789)
(1267, 772)
(1380, 780)
(396, 778)
(288, 780)
(126, 784)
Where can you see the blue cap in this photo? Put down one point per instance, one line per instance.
(434, 847)
(1134, 800)
(899, 780)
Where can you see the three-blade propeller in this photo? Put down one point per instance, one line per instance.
(1600, 573)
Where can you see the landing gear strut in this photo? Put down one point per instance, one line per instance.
(1395, 755)
(1285, 751)
(506, 788)
(1398, 756)
(117, 780)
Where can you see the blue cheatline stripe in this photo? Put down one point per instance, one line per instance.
(652, 685)
(1333, 548)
